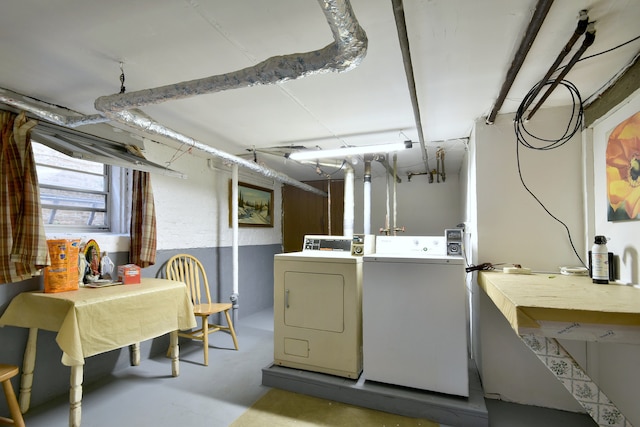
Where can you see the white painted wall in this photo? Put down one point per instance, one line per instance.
(512, 228)
(194, 212)
(423, 209)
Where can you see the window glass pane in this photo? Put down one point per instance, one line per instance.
(48, 156)
(72, 199)
(70, 178)
(74, 193)
(73, 218)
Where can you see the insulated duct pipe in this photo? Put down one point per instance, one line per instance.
(398, 13)
(367, 194)
(345, 53)
(542, 8)
(349, 200)
(149, 125)
(589, 38)
(43, 111)
(583, 22)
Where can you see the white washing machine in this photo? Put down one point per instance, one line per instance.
(414, 315)
(318, 307)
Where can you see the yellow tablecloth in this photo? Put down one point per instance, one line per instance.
(91, 321)
(565, 306)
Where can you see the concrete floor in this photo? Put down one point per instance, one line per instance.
(216, 395)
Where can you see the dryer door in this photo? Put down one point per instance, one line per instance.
(314, 301)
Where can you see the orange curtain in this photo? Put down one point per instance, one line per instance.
(23, 242)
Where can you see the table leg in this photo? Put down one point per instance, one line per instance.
(175, 352)
(134, 354)
(575, 380)
(28, 365)
(75, 395)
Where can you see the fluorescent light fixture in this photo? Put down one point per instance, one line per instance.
(350, 151)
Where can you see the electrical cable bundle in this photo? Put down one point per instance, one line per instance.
(522, 135)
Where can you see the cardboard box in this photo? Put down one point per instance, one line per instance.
(129, 274)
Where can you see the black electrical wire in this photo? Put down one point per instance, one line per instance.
(524, 137)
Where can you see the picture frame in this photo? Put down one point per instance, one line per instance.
(255, 205)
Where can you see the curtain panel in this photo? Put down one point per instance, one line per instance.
(23, 242)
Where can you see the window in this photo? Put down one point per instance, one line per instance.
(77, 194)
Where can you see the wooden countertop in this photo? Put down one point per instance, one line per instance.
(569, 307)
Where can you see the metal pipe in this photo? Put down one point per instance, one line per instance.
(151, 126)
(349, 200)
(395, 200)
(542, 8)
(589, 38)
(383, 159)
(583, 21)
(403, 38)
(43, 110)
(367, 195)
(345, 53)
(235, 243)
(329, 206)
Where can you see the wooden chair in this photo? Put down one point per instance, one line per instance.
(188, 269)
(6, 373)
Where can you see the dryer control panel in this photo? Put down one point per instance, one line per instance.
(358, 245)
(326, 243)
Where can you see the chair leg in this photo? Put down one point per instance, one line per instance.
(12, 403)
(205, 338)
(233, 332)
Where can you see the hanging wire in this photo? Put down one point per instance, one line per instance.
(122, 88)
(573, 126)
(524, 137)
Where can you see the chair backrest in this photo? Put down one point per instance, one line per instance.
(188, 269)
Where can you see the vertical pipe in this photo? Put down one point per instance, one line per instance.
(367, 195)
(386, 218)
(349, 197)
(234, 222)
(395, 202)
(329, 207)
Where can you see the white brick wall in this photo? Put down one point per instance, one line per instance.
(194, 212)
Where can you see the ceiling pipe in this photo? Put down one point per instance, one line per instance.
(383, 160)
(542, 8)
(151, 126)
(403, 38)
(345, 53)
(43, 110)
(589, 38)
(583, 22)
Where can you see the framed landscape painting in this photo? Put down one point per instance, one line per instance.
(255, 205)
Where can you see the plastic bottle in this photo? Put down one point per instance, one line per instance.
(600, 261)
(106, 267)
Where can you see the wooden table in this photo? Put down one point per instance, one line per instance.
(91, 321)
(544, 307)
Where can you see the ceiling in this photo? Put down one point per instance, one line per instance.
(71, 52)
